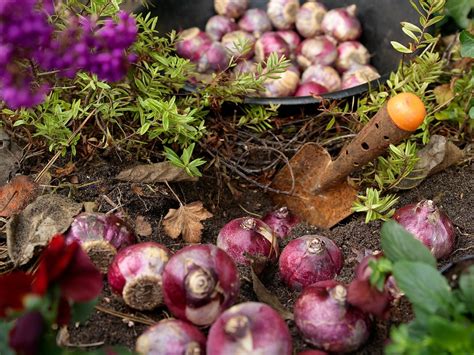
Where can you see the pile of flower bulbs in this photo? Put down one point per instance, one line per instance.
(321, 43)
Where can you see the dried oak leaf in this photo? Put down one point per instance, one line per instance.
(16, 195)
(186, 221)
(152, 173)
(37, 224)
(143, 227)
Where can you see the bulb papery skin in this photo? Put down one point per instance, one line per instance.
(215, 58)
(248, 236)
(232, 40)
(245, 66)
(318, 50)
(309, 259)
(429, 225)
(217, 26)
(249, 328)
(231, 8)
(291, 38)
(342, 24)
(324, 75)
(351, 53)
(310, 89)
(283, 13)
(268, 43)
(284, 86)
(281, 221)
(199, 283)
(136, 274)
(309, 19)
(170, 337)
(100, 235)
(327, 321)
(255, 21)
(191, 43)
(358, 75)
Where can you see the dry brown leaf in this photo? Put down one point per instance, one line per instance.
(436, 156)
(37, 224)
(186, 221)
(68, 169)
(152, 173)
(143, 227)
(16, 195)
(265, 296)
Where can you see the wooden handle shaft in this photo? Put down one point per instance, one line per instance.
(369, 143)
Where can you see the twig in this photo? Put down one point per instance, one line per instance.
(172, 191)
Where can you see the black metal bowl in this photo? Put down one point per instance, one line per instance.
(380, 22)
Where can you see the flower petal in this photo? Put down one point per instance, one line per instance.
(81, 281)
(13, 288)
(26, 334)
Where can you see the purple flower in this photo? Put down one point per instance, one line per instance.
(26, 334)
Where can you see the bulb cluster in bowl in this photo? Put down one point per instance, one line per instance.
(322, 45)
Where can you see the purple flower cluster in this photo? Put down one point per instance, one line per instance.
(29, 40)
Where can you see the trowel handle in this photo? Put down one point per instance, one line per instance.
(370, 142)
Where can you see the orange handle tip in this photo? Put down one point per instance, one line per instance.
(407, 111)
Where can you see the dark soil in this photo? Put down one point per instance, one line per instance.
(452, 190)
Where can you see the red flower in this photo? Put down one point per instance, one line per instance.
(26, 335)
(14, 287)
(69, 267)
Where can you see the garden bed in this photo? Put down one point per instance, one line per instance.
(115, 323)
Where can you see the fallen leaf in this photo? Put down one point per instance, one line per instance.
(265, 296)
(68, 169)
(16, 195)
(152, 173)
(90, 206)
(186, 221)
(37, 224)
(443, 93)
(437, 155)
(143, 227)
(10, 155)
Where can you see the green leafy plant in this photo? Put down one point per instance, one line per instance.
(184, 161)
(257, 117)
(375, 206)
(444, 315)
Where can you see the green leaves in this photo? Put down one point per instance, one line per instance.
(467, 44)
(459, 11)
(4, 330)
(185, 162)
(82, 311)
(466, 287)
(423, 285)
(375, 206)
(399, 245)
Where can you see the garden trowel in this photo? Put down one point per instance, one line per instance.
(318, 189)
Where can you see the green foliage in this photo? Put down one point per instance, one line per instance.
(398, 244)
(467, 44)
(374, 205)
(459, 11)
(4, 330)
(184, 161)
(380, 270)
(257, 117)
(399, 163)
(421, 39)
(443, 321)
